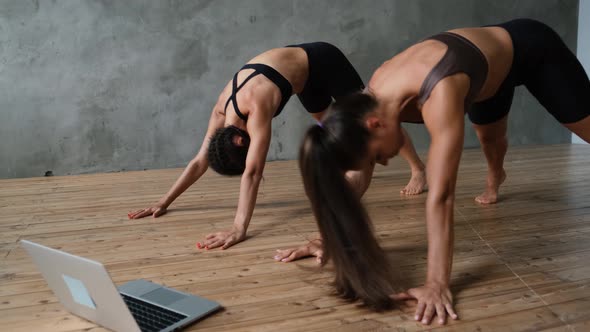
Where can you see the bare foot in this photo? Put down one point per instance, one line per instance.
(417, 184)
(490, 195)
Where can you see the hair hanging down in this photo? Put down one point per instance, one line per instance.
(225, 157)
(328, 151)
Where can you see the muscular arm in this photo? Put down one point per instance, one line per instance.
(361, 179)
(446, 126)
(444, 117)
(198, 165)
(259, 128)
(194, 170)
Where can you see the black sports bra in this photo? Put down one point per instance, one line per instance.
(271, 74)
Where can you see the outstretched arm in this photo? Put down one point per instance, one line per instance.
(358, 179)
(444, 117)
(361, 179)
(259, 128)
(311, 248)
(195, 169)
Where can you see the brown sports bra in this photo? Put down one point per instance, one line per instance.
(462, 56)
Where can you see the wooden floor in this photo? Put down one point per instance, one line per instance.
(523, 264)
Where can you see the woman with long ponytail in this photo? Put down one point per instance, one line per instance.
(437, 81)
(329, 150)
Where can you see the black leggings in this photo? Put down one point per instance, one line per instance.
(330, 76)
(549, 70)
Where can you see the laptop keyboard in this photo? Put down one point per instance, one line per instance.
(150, 317)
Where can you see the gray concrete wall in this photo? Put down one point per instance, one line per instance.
(583, 45)
(94, 86)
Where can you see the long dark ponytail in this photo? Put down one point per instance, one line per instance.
(328, 151)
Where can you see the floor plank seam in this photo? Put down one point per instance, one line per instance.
(500, 258)
(15, 244)
(511, 270)
(521, 265)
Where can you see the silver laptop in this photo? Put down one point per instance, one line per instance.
(85, 288)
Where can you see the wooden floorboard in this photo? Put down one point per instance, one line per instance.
(520, 265)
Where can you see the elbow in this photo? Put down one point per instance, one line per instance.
(198, 163)
(195, 162)
(254, 173)
(199, 160)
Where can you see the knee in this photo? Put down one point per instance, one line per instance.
(491, 138)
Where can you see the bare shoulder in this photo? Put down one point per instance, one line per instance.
(456, 86)
(406, 71)
(447, 101)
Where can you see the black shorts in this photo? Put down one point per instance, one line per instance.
(330, 76)
(547, 68)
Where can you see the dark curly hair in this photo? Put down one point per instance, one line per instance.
(225, 157)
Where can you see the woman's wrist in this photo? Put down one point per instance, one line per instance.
(437, 282)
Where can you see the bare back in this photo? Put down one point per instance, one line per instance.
(398, 81)
(260, 93)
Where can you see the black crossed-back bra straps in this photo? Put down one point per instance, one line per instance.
(279, 80)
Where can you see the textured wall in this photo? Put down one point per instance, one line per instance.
(583, 45)
(92, 86)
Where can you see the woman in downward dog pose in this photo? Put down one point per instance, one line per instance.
(239, 132)
(436, 81)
